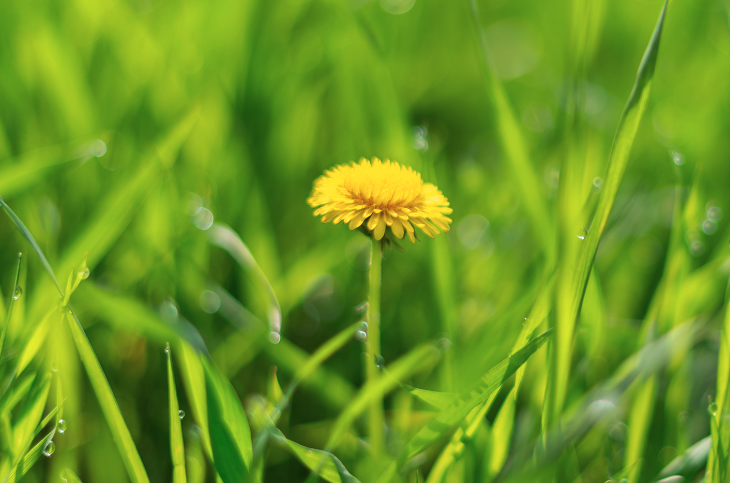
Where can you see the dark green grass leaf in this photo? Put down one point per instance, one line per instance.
(230, 435)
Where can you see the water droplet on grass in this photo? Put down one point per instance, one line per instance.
(98, 148)
(712, 409)
(85, 274)
(167, 348)
(379, 361)
(181, 414)
(61, 426)
(274, 337)
(581, 237)
(17, 293)
(709, 227)
(49, 448)
(597, 182)
(210, 302)
(364, 326)
(361, 335)
(714, 213)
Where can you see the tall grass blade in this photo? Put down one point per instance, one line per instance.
(177, 447)
(29, 459)
(108, 403)
(618, 160)
(9, 312)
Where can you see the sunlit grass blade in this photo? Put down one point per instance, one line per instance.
(177, 447)
(418, 359)
(29, 237)
(13, 297)
(514, 145)
(230, 435)
(36, 340)
(16, 391)
(436, 399)
(640, 423)
(30, 415)
(194, 457)
(459, 409)
(618, 160)
(108, 403)
(29, 459)
(688, 463)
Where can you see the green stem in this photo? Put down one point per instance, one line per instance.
(376, 416)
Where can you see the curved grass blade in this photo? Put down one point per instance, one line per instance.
(9, 312)
(29, 416)
(109, 406)
(439, 400)
(177, 447)
(689, 462)
(230, 435)
(617, 162)
(460, 408)
(28, 236)
(224, 237)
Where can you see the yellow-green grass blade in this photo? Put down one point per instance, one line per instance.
(514, 145)
(688, 463)
(721, 397)
(230, 435)
(639, 422)
(439, 400)
(29, 416)
(501, 435)
(460, 408)
(418, 359)
(177, 447)
(37, 338)
(194, 457)
(618, 160)
(16, 391)
(108, 403)
(9, 312)
(29, 459)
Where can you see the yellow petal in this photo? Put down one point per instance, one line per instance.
(373, 221)
(380, 229)
(357, 221)
(412, 236)
(397, 228)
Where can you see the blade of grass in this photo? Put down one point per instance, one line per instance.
(9, 312)
(416, 360)
(108, 403)
(618, 160)
(460, 408)
(177, 447)
(230, 435)
(29, 459)
(29, 416)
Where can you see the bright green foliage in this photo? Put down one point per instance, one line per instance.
(157, 156)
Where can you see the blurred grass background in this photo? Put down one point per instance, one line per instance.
(261, 97)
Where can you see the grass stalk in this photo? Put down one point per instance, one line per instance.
(376, 416)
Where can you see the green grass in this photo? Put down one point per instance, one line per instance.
(572, 326)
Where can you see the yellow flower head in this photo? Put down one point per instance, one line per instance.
(380, 196)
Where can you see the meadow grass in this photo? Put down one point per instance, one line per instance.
(172, 311)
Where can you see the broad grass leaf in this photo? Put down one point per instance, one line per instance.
(230, 435)
(177, 447)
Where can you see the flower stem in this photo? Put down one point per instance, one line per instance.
(376, 416)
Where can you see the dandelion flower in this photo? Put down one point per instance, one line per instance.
(379, 197)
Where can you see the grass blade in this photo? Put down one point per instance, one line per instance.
(9, 312)
(418, 359)
(230, 435)
(617, 162)
(177, 447)
(29, 459)
(459, 409)
(108, 403)
(28, 236)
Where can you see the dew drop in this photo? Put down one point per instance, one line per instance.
(54, 367)
(85, 274)
(274, 337)
(361, 335)
(709, 227)
(49, 448)
(364, 326)
(167, 348)
(597, 182)
(714, 213)
(210, 302)
(61, 426)
(712, 409)
(181, 414)
(379, 361)
(18, 292)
